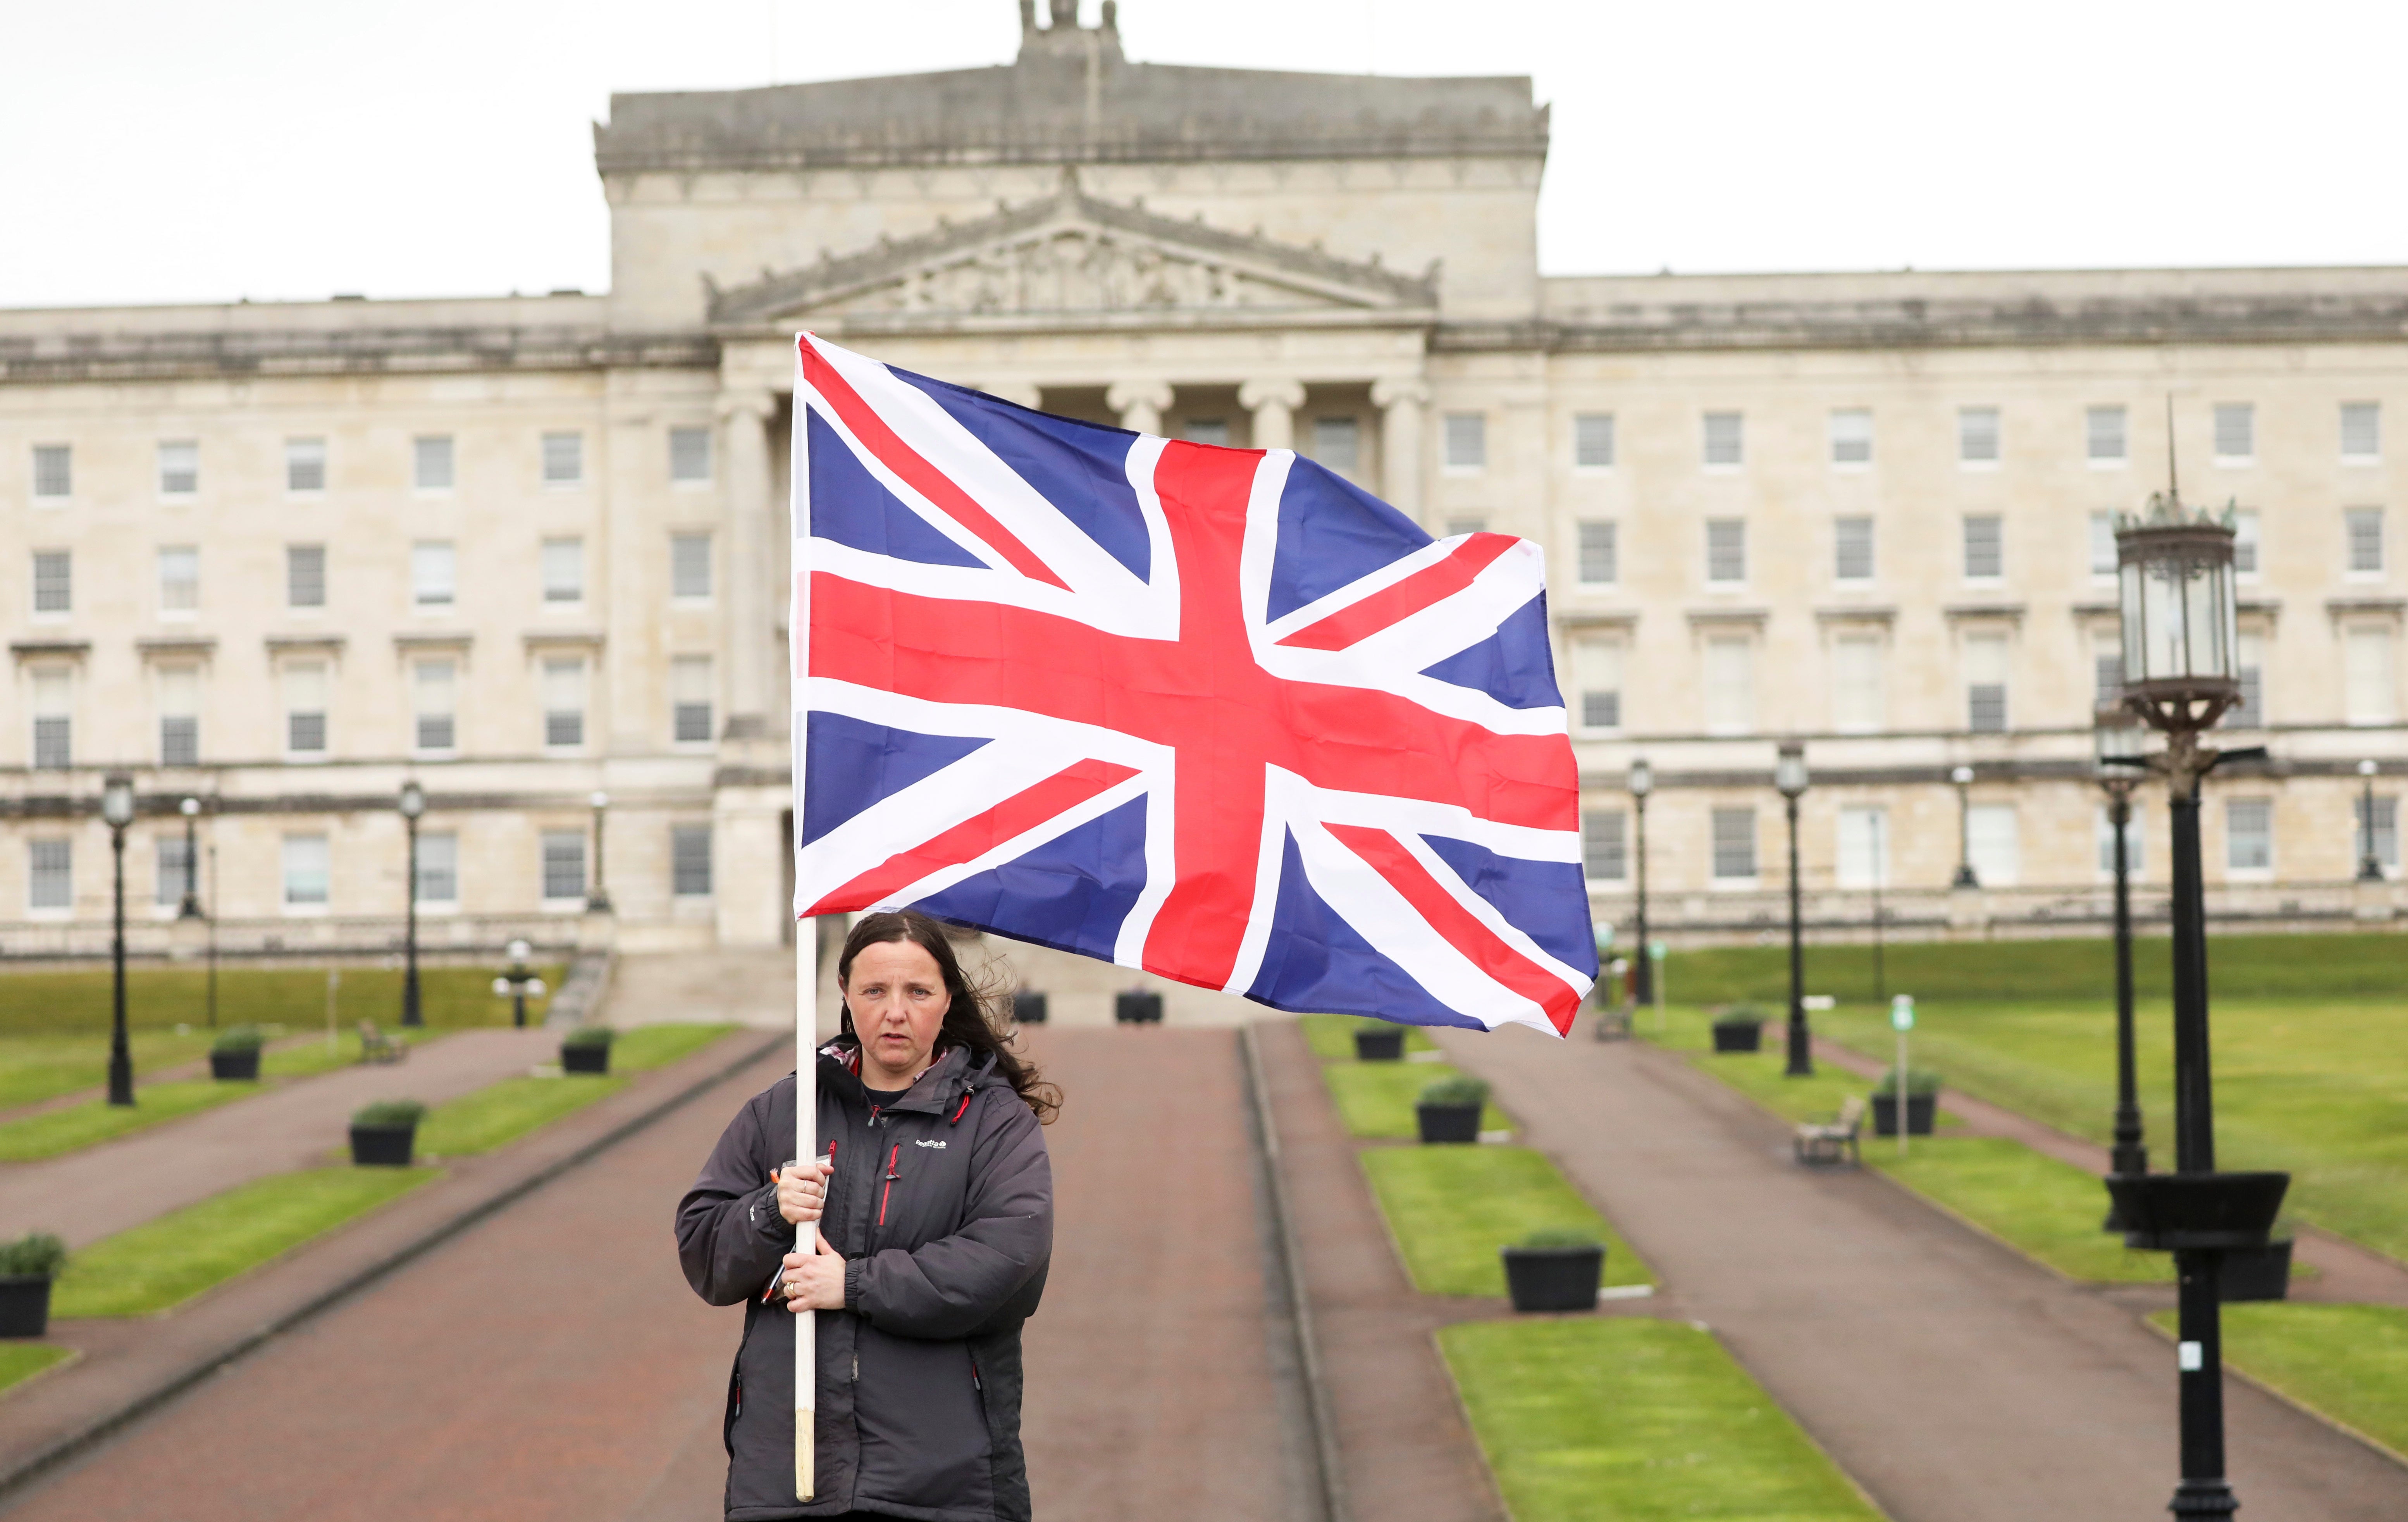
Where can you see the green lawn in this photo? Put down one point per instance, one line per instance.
(163, 1263)
(38, 1068)
(1332, 1036)
(160, 998)
(2347, 1361)
(55, 1131)
(1451, 1208)
(21, 1361)
(1376, 1099)
(2042, 1208)
(1628, 1419)
(1758, 1076)
(500, 1114)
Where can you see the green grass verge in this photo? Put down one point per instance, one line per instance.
(1376, 1099)
(21, 1361)
(56, 1131)
(164, 1262)
(1758, 1076)
(160, 999)
(2041, 1207)
(1635, 1420)
(38, 1068)
(1332, 1036)
(1451, 1208)
(500, 1114)
(2347, 1361)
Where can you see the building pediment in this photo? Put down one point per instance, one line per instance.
(1071, 255)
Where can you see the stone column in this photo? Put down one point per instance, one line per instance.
(1400, 402)
(1273, 403)
(744, 422)
(1139, 403)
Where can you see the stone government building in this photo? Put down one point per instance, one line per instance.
(282, 557)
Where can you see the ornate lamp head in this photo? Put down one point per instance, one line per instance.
(2175, 570)
(1789, 771)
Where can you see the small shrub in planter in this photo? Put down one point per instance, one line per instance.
(1027, 1009)
(234, 1056)
(1740, 1028)
(1381, 1043)
(1921, 1103)
(1136, 1007)
(27, 1265)
(384, 1134)
(586, 1050)
(1449, 1109)
(1555, 1270)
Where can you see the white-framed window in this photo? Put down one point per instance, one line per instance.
(1460, 524)
(2236, 433)
(564, 701)
(2250, 835)
(690, 861)
(167, 869)
(1858, 701)
(179, 580)
(439, 868)
(1994, 845)
(2249, 663)
(304, 708)
(180, 715)
(434, 705)
(1864, 847)
(1596, 684)
(2102, 544)
(2107, 670)
(1601, 552)
(434, 574)
(563, 459)
(53, 717)
(2105, 437)
(2248, 529)
(2386, 831)
(1977, 437)
(2136, 842)
(1724, 441)
(1337, 443)
(1467, 440)
(2370, 690)
(689, 456)
(49, 874)
(1852, 547)
(690, 567)
(1726, 550)
(53, 472)
(1852, 435)
(2361, 433)
(1986, 546)
(690, 700)
(180, 468)
(1214, 431)
(54, 582)
(2364, 528)
(1986, 683)
(430, 462)
(1734, 845)
(305, 465)
(1605, 845)
(1593, 440)
(308, 867)
(305, 576)
(564, 572)
(1730, 684)
(564, 866)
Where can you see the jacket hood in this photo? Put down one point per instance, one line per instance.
(939, 1090)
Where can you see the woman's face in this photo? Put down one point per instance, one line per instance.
(898, 1001)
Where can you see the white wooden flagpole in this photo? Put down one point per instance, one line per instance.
(807, 991)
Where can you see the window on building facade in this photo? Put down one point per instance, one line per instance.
(53, 717)
(1730, 685)
(439, 868)
(2368, 687)
(690, 699)
(1725, 439)
(2250, 835)
(563, 459)
(2136, 853)
(1600, 560)
(1864, 848)
(2102, 544)
(1467, 440)
(1852, 548)
(689, 456)
(305, 465)
(2364, 527)
(1986, 546)
(563, 700)
(2236, 433)
(309, 866)
(690, 567)
(179, 468)
(434, 574)
(1734, 844)
(1852, 435)
(49, 874)
(1337, 443)
(564, 572)
(1994, 845)
(430, 462)
(1857, 698)
(1977, 436)
(2247, 527)
(1592, 440)
(1605, 849)
(179, 716)
(167, 869)
(1726, 550)
(2361, 432)
(53, 581)
(304, 708)
(1986, 683)
(2103, 436)
(1207, 431)
(1461, 523)
(434, 705)
(690, 861)
(305, 576)
(179, 580)
(1596, 684)
(2249, 651)
(53, 472)
(564, 865)
(2107, 666)
(2386, 831)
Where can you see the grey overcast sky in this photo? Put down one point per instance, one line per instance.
(159, 152)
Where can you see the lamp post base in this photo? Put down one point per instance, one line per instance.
(2203, 1497)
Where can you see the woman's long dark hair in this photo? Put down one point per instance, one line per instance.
(969, 1018)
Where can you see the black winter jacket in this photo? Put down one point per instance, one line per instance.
(943, 1207)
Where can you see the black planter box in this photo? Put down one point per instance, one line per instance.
(585, 1059)
(2167, 1212)
(1553, 1278)
(1739, 1038)
(1448, 1122)
(1027, 1009)
(2256, 1274)
(1380, 1045)
(24, 1306)
(1921, 1110)
(383, 1146)
(1140, 1008)
(234, 1067)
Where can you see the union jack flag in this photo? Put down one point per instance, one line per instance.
(1211, 713)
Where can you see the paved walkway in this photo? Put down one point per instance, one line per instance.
(1956, 1380)
(89, 1194)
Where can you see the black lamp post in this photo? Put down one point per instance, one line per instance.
(1963, 778)
(2118, 736)
(2369, 866)
(117, 808)
(413, 803)
(598, 900)
(191, 907)
(519, 983)
(1790, 776)
(1641, 782)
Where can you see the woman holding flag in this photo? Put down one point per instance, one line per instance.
(934, 1204)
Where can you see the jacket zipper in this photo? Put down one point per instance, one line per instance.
(974, 1377)
(887, 1193)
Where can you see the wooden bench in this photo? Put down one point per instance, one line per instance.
(1612, 1023)
(376, 1046)
(1827, 1144)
